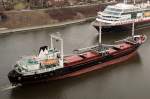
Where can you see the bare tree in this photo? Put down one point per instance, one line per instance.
(3, 4)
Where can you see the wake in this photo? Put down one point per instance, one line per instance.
(8, 87)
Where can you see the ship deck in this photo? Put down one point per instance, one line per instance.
(93, 54)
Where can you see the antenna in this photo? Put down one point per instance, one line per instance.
(133, 25)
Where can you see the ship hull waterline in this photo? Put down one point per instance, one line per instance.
(127, 26)
(66, 72)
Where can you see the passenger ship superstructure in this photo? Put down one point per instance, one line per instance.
(123, 14)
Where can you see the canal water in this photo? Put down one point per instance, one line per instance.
(127, 80)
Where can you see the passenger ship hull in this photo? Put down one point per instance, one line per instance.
(74, 70)
(122, 26)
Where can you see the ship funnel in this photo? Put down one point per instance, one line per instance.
(43, 48)
(43, 51)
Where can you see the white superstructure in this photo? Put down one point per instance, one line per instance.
(123, 13)
(49, 59)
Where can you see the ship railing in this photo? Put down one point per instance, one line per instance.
(85, 49)
(143, 5)
(128, 39)
(107, 45)
(131, 41)
(38, 71)
(96, 48)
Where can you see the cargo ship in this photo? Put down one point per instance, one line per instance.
(52, 64)
(122, 15)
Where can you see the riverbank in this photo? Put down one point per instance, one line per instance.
(45, 18)
(3, 31)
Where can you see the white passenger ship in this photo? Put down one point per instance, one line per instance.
(123, 15)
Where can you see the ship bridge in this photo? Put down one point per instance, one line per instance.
(119, 12)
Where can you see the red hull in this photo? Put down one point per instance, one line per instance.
(96, 67)
(85, 62)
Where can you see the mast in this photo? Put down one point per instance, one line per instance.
(61, 48)
(125, 1)
(134, 2)
(51, 38)
(100, 33)
(133, 25)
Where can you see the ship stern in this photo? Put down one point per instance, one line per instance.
(14, 77)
